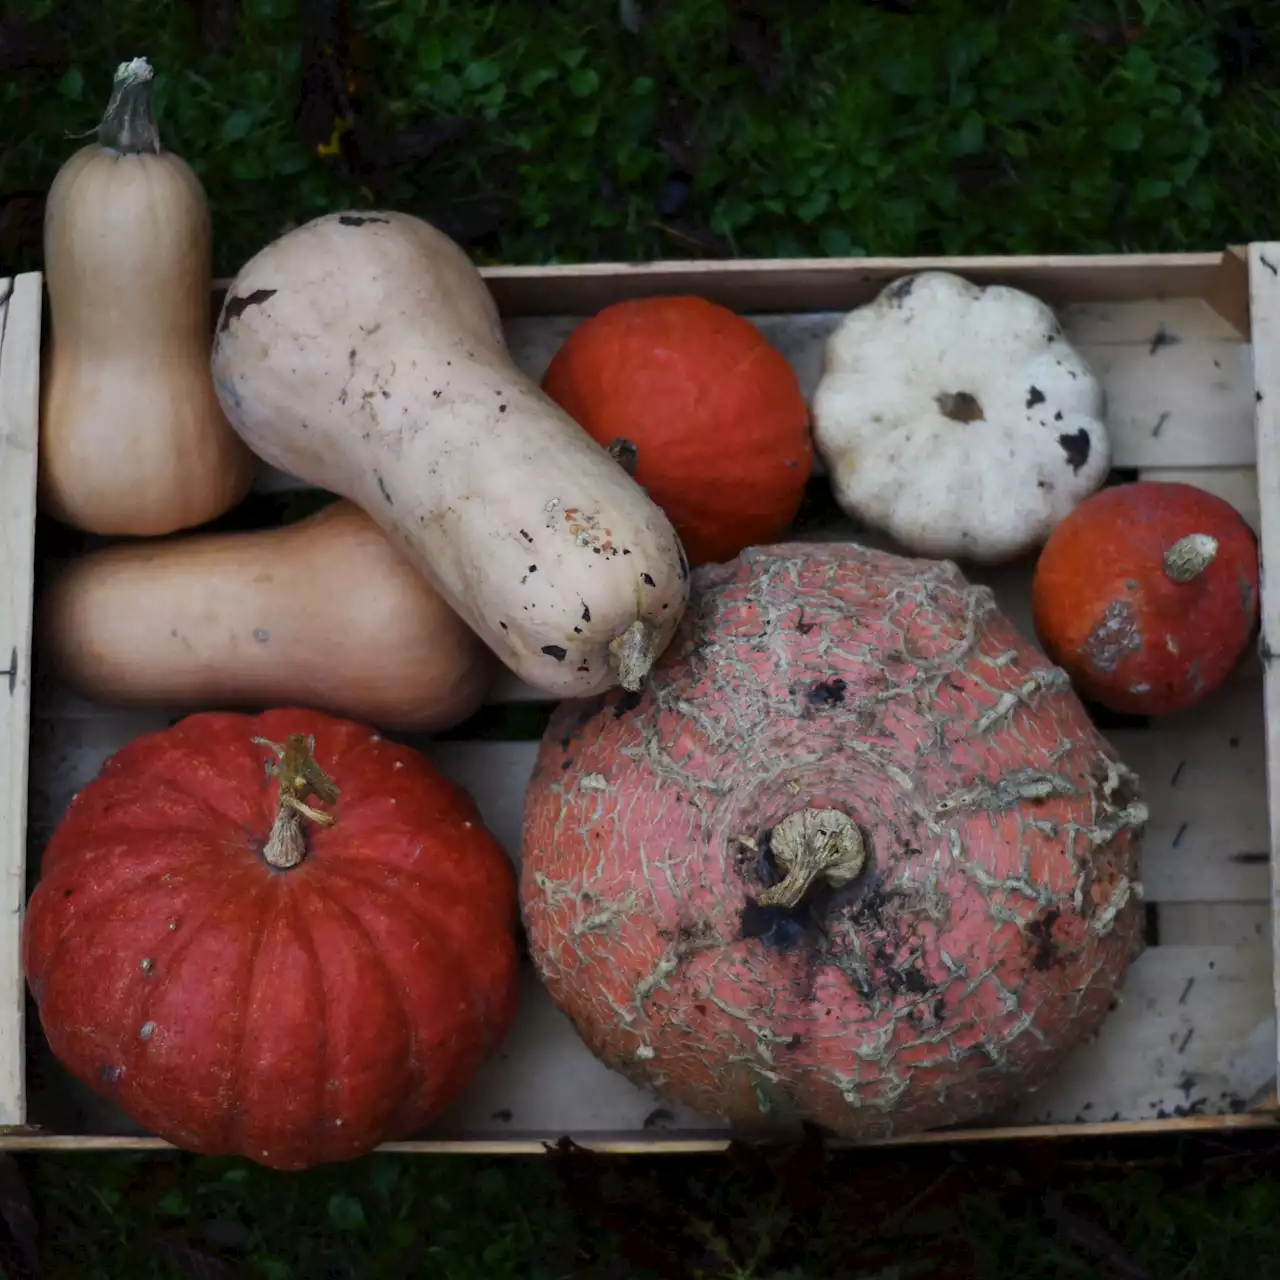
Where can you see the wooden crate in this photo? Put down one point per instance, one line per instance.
(1188, 346)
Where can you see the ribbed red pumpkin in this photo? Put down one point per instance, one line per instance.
(293, 1014)
(857, 856)
(716, 415)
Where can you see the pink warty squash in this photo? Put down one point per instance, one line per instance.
(279, 936)
(857, 855)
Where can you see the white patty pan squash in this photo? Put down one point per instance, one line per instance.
(958, 419)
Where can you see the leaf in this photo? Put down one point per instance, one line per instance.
(481, 74)
(21, 1248)
(836, 242)
(237, 125)
(969, 137)
(71, 84)
(1125, 134)
(346, 1212)
(583, 82)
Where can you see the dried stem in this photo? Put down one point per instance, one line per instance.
(812, 844)
(129, 124)
(300, 776)
(1189, 557)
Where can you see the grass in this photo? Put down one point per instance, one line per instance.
(1201, 1209)
(585, 129)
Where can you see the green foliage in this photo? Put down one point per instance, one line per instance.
(845, 128)
(455, 1219)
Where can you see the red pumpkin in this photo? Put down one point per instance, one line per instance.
(290, 965)
(1147, 595)
(719, 425)
(857, 856)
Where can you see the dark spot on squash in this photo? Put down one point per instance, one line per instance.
(900, 290)
(577, 631)
(504, 626)
(1040, 931)
(526, 535)
(959, 406)
(826, 693)
(627, 701)
(382, 486)
(647, 580)
(66, 893)
(533, 568)
(586, 613)
(1076, 445)
(1057, 417)
(358, 219)
(556, 651)
(234, 308)
(502, 408)
(1034, 397)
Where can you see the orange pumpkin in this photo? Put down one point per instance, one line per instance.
(709, 416)
(1147, 595)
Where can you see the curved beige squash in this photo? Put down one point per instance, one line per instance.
(324, 613)
(363, 353)
(132, 438)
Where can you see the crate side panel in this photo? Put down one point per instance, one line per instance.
(1264, 298)
(20, 307)
(1178, 379)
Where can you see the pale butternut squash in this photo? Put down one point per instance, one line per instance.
(324, 613)
(132, 438)
(364, 354)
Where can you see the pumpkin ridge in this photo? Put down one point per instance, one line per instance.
(233, 1136)
(338, 864)
(324, 889)
(372, 887)
(83, 919)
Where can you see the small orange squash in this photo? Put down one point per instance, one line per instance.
(1147, 595)
(714, 414)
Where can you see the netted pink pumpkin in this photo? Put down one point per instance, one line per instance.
(857, 856)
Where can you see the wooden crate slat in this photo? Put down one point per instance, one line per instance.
(1207, 839)
(20, 304)
(1194, 1030)
(1208, 836)
(1179, 380)
(1264, 290)
(1184, 1038)
(1208, 924)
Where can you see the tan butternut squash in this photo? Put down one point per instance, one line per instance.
(324, 613)
(132, 438)
(364, 354)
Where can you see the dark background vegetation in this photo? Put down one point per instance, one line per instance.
(592, 129)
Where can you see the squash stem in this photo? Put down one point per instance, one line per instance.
(813, 844)
(1189, 557)
(300, 776)
(129, 123)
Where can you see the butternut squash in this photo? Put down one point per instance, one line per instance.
(132, 438)
(324, 613)
(364, 354)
